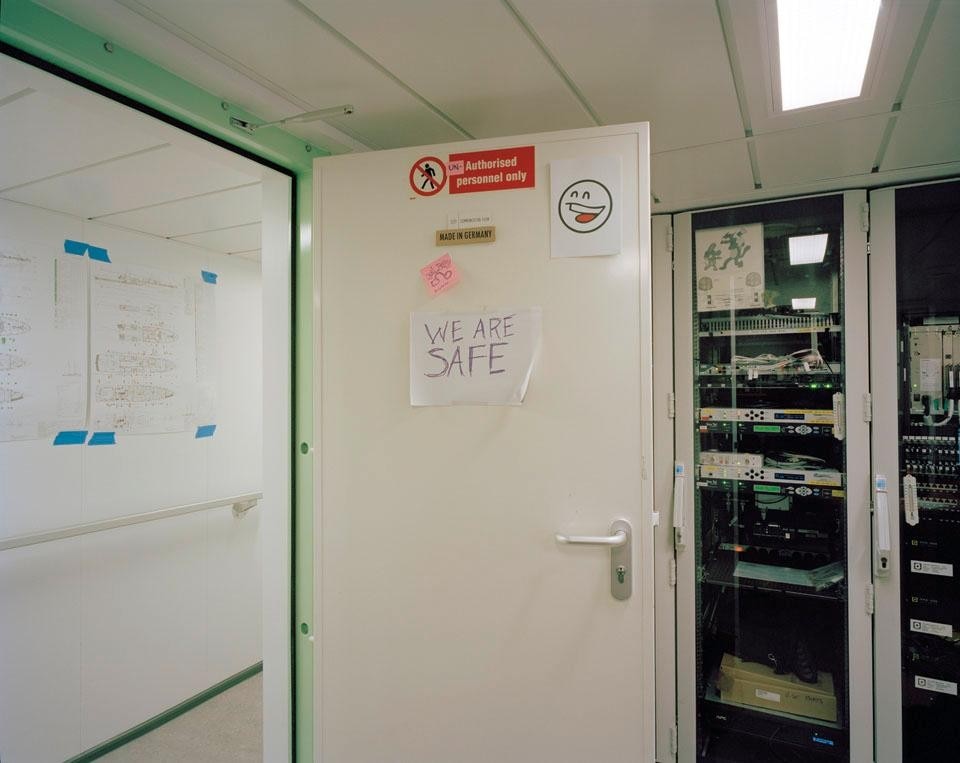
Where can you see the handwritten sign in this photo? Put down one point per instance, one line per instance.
(472, 358)
(440, 274)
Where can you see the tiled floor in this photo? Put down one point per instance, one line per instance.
(224, 729)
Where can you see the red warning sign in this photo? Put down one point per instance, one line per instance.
(499, 169)
(428, 176)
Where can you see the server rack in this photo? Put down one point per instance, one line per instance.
(771, 507)
(915, 378)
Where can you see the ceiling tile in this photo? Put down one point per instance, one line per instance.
(819, 152)
(288, 50)
(924, 136)
(937, 75)
(657, 61)
(137, 181)
(223, 209)
(472, 60)
(41, 136)
(243, 238)
(694, 176)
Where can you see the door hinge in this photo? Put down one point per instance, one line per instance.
(867, 407)
(870, 599)
(865, 217)
(671, 405)
(669, 234)
(674, 746)
(673, 573)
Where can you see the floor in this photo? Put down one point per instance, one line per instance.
(224, 728)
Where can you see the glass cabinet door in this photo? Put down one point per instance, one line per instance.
(770, 482)
(917, 458)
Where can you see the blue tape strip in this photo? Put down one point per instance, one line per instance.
(76, 437)
(74, 247)
(103, 438)
(206, 431)
(98, 253)
(208, 277)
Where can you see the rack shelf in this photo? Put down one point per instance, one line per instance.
(719, 572)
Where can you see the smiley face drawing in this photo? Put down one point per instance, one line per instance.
(585, 206)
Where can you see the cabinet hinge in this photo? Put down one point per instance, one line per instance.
(865, 217)
(674, 746)
(673, 572)
(870, 599)
(867, 407)
(671, 405)
(669, 242)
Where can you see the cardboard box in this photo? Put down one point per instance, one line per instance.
(750, 683)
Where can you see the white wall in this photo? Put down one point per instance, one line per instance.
(101, 632)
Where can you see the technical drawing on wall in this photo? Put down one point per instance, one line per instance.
(43, 298)
(147, 376)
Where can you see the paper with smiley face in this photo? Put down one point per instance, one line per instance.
(585, 196)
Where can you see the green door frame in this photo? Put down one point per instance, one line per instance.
(42, 38)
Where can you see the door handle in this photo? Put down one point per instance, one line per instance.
(679, 520)
(881, 516)
(619, 541)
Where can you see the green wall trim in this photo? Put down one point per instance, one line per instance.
(165, 717)
(36, 30)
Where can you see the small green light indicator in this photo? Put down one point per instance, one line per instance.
(814, 386)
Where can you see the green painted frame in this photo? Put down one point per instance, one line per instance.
(40, 37)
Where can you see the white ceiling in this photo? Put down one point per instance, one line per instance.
(426, 71)
(68, 150)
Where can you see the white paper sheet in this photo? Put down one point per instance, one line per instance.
(585, 207)
(43, 349)
(472, 358)
(730, 267)
(143, 346)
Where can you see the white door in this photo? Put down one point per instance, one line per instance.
(453, 626)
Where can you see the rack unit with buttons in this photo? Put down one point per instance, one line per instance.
(770, 498)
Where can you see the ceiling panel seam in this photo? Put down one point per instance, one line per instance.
(242, 69)
(541, 46)
(922, 35)
(736, 72)
(16, 96)
(111, 160)
(175, 201)
(246, 224)
(141, 232)
(353, 47)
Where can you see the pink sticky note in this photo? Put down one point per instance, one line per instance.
(440, 274)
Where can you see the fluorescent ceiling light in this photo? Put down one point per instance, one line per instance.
(804, 303)
(824, 49)
(807, 250)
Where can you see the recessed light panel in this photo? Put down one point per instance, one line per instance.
(824, 49)
(808, 250)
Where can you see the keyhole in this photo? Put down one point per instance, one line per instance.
(621, 572)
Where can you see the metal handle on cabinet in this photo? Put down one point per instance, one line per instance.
(679, 525)
(881, 516)
(619, 541)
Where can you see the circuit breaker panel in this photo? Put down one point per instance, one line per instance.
(770, 497)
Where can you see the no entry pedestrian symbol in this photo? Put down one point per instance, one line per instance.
(428, 176)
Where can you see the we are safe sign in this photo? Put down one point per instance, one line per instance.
(498, 169)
